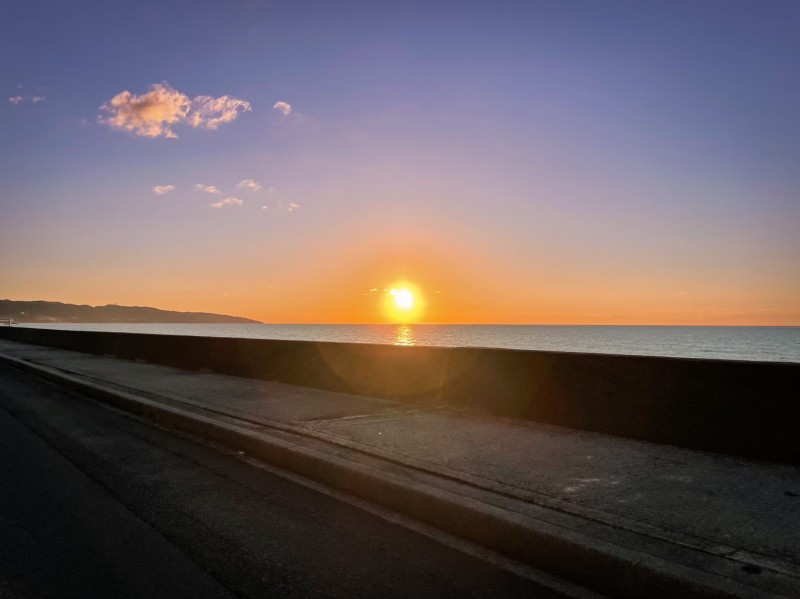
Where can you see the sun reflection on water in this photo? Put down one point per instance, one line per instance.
(404, 335)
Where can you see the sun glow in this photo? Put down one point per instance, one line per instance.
(403, 303)
(403, 298)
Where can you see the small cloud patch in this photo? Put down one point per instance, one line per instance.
(283, 107)
(249, 184)
(161, 190)
(206, 188)
(227, 202)
(293, 207)
(209, 113)
(21, 97)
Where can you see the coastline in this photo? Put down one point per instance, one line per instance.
(763, 344)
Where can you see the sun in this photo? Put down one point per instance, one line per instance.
(403, 298)
(403, 303)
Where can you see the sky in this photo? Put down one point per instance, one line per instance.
(542, 162)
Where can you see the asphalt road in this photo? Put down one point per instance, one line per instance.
(96, 504)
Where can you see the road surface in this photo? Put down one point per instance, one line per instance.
(94, 503)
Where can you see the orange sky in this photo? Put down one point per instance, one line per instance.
(461, 276)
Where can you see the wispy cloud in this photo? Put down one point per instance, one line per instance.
(160, 190)
(19, 98)
(292, 207)
(250, 184)
(22, 97)
(206, 188)
(209, 113)
(227, 202)
(154, 113)
(283, 107)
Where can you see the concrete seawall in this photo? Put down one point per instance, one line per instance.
(741, 408)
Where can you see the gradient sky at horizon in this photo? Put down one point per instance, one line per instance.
(521, 162)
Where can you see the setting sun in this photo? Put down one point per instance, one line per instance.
(403, 298)
(403, 303)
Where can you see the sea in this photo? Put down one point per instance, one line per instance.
(762, 344)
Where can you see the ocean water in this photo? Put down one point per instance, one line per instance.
(763, 344)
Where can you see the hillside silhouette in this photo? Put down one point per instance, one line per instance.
(58, 312)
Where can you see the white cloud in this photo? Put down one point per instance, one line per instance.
(209, 113)
(160, 190)
(283, 107)
(207, 188)
(227, 202)
(292, 207)
(250, 184)
(154, 113)
(19, 98)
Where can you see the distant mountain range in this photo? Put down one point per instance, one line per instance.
(55, 312)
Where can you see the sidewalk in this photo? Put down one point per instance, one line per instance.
(619, 516)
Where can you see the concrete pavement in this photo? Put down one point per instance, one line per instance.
(623, 517)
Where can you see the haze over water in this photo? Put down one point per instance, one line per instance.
(769, 344)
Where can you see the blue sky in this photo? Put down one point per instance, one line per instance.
(530, 161)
